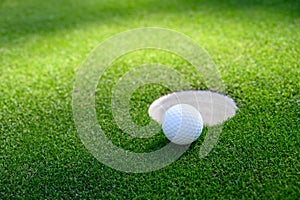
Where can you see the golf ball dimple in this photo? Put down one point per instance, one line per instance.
(182, 124)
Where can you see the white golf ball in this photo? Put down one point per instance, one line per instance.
(182, 124)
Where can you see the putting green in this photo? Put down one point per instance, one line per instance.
(254, 44)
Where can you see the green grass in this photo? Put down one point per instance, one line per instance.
(255, 45)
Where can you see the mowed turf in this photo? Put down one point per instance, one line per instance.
(254, 44)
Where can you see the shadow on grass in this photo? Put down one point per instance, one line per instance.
(22, 18)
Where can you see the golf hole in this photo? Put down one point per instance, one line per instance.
(215, 108)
